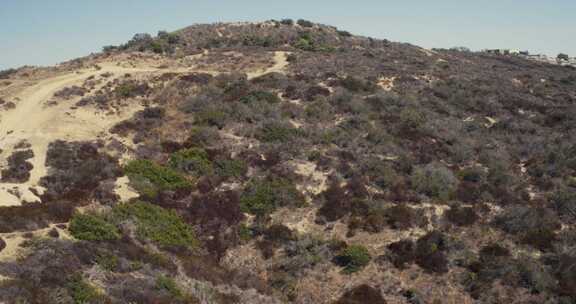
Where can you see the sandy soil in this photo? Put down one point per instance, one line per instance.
(280, 63)
(15, 239)
(386, 83)
(39, 124)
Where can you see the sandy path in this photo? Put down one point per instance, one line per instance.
(280, 63)
(39, 125)
(15, 239)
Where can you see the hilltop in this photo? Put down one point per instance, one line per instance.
(287, 161)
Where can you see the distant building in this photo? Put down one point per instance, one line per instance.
(513, 52)
(565, 60)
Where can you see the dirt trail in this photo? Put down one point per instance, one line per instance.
(280, 63)
(39, 124)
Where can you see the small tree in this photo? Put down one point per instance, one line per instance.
(353, 258)
(91, 227)
(434, 180)
(563, 57)
(305, 23)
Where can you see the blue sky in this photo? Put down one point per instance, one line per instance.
(41, 32)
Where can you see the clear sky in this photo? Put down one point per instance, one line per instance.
(44, 32)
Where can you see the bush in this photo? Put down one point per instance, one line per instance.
(5, 74)
(540, 238)
(493, 253)
(472, 175)
(289, 22)
(353, 258)
(148, 177)
(305, 43)
(19, 167)
(277, 132)
(212, 117)
(77, 169)
(358, 85)
(402, 253)
(259, 41)
(336, 203)
(461, 216)
(168, 284)
(231, 168)
(564, 202)
(130, 89)
(344, 34)
(82, 292)
(264, 196)
(155, 223)
(362, 294)
(430, 252)
(201, 137)
(519, 219)
(193, 161)
(257, 96)
(170, 38)
(107, 261)
(304, 23)
(304, 253)
(434, 180)
(401, 217)
(91, 227)
(412, 120)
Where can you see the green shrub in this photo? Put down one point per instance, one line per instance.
(81, 291)
(412, 119)
(344, 34)
(461, 216)
(170, 38)
(260, 41)
(434, 180)
(192, 161)
(231, 168)
(107, 261)
(264, 196)
(245, 233)
(277, 132)
(305, 23)
(357, 85)
(353, 258)
(148, 177)
(123, 90)
(157, 47)
(129, 89)
(256, 96)
(210, 117)
(169, 285)
(564, 202)
(201, 137)
(305, 42)
(91, 227)
(472, 174)
(155, 223)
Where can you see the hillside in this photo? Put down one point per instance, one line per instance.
(287, 161)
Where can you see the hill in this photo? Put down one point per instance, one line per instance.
(287, 161)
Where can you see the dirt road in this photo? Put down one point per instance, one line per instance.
(32, 120)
